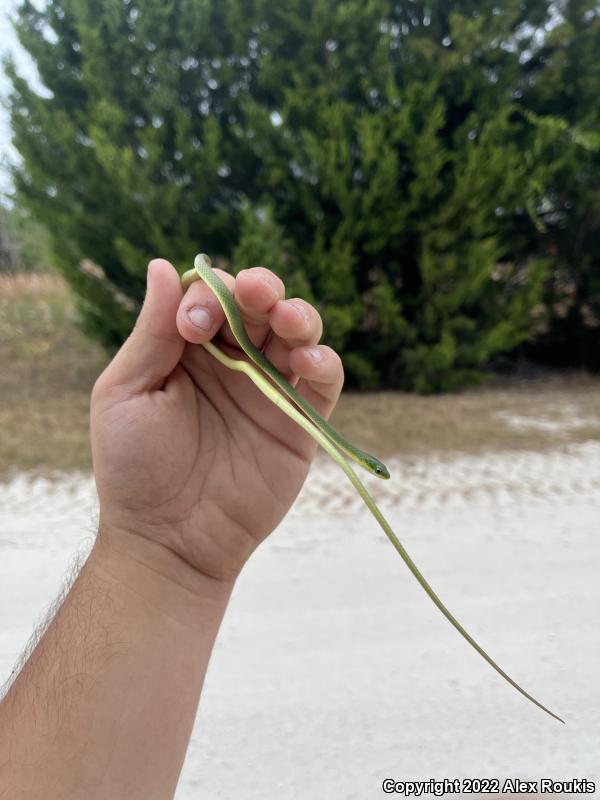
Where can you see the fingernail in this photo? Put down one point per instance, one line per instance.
(152, 265)
(200, 317)
(301, 309)
(315, 354)
(268, 281)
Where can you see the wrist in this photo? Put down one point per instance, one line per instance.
(161, 577)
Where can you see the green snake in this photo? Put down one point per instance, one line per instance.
(322, 432)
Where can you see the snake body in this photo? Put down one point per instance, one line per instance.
(325, 435)
(202, 269)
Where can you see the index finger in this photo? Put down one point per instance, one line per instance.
(256, 291)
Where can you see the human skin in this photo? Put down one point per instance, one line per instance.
(194, 467)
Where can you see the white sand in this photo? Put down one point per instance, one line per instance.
(333, 670)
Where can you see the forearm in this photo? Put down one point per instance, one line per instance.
(105, 704)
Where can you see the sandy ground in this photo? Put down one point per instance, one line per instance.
(333, 670)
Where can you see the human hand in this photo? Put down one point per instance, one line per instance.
(189, 455)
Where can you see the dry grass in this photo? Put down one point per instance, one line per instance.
(511, 415)
(47, 369)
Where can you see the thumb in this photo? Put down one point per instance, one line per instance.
(154, 347)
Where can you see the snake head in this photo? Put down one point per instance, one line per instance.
(375, 466)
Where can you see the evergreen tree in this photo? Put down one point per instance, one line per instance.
(372, 152)
(562, 89)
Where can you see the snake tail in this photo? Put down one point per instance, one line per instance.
(320, 438)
